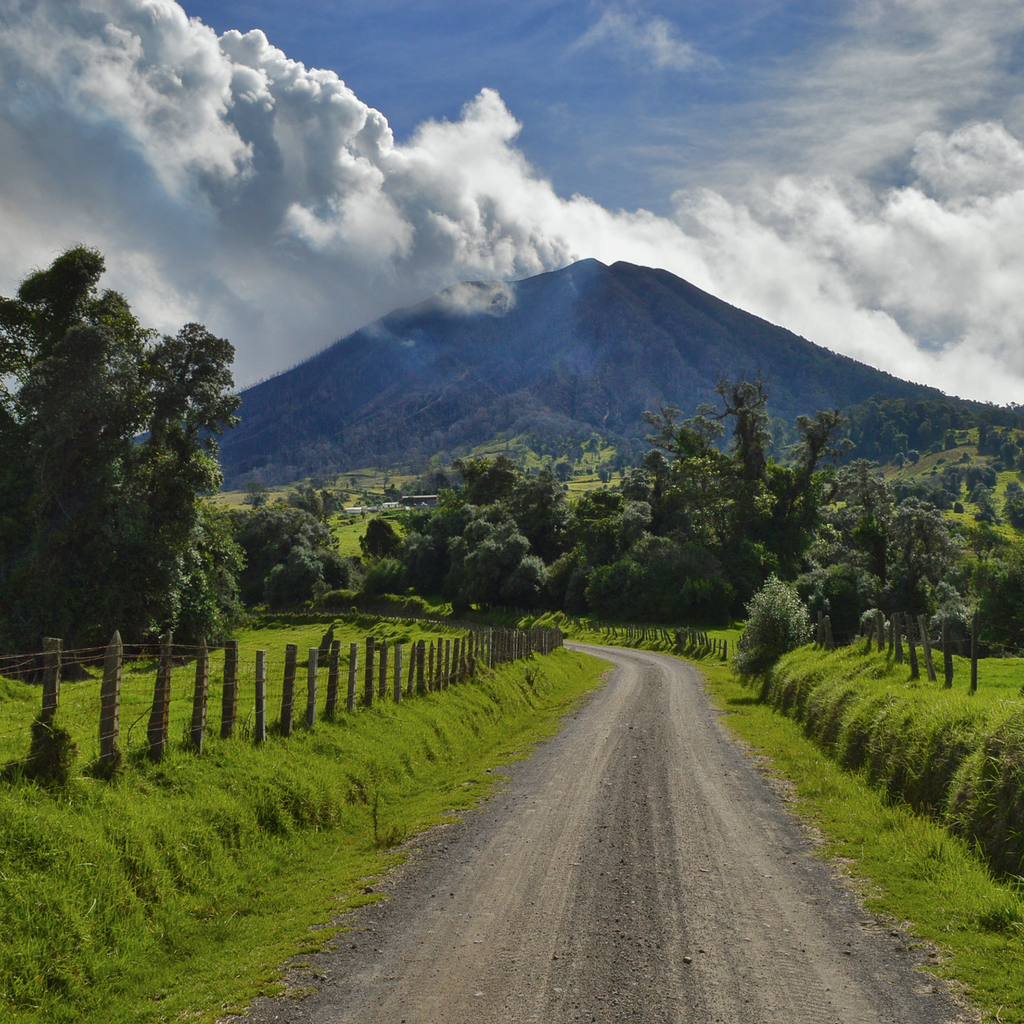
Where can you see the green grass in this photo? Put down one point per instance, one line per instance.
(904, 865)
(174, 892)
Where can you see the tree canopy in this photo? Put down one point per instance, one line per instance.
(108, 438)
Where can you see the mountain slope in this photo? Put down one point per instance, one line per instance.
(588, 347)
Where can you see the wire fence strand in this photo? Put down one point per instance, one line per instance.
(148, 711)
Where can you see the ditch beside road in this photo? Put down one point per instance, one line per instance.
(636, 867)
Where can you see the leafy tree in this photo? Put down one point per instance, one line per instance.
(255, 493)
(541, 513)
(999, 585)
(842, 592)
(487, 481)
(288, 555)
(1013, 505)
(777, 622)
(922, 552)
(380, 539)
(108, 438)
(385, 576)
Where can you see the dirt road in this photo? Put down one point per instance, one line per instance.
(637, 868)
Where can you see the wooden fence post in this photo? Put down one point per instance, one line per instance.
(398, 673)
(353, 669)
(311, 681)
(926, 646)
(382, 674)
(161, 701)
(880, 629)
(197, 734)
(974, 652)
(915, 672)
(110, 701)
(333, 672)
(52, 648)
(947, 656)
(897, 630)
(371, 644)
(447, 663)
(412, 669)
(430, 667)
(229, 701)
(260, 732)
(421, 654)
(291, 658)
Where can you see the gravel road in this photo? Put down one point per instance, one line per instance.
(637, 867)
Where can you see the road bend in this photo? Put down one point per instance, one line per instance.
(637, 867)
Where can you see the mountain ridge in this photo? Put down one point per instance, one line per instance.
(586, 348)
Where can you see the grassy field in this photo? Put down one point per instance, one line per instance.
(932, 464)
(79, 710)
(174, 892)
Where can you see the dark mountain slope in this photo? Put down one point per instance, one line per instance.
(585, 348)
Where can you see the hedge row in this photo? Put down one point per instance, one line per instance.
(956, 757)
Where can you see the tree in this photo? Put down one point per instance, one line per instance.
(288, 554)
(921, 553)
(108, 438)
(746, 402)
(380, 539)
(777, 622)
(255, 493)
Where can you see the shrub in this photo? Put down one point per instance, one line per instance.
(385, 576)
(777, 622)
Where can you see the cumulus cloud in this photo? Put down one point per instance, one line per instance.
(650, 42)
(229, 184)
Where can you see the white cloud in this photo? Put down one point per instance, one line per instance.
(650, 42)
(229, 184)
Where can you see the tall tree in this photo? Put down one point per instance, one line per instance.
(109, 438)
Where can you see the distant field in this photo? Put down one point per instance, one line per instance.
(367, 486)
(933, 464)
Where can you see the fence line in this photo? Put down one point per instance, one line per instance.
(433, 666)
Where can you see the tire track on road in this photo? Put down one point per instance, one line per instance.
(637, 867)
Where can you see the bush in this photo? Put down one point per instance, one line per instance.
(777, 622)
(840, 592)
(385, 576)
(380, 539)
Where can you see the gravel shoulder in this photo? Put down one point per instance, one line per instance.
(636, 867)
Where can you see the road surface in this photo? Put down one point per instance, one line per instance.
(638, 867)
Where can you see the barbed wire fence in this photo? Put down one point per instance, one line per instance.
(151, 695)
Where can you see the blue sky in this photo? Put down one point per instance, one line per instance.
(603, 118)
(285, 174)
